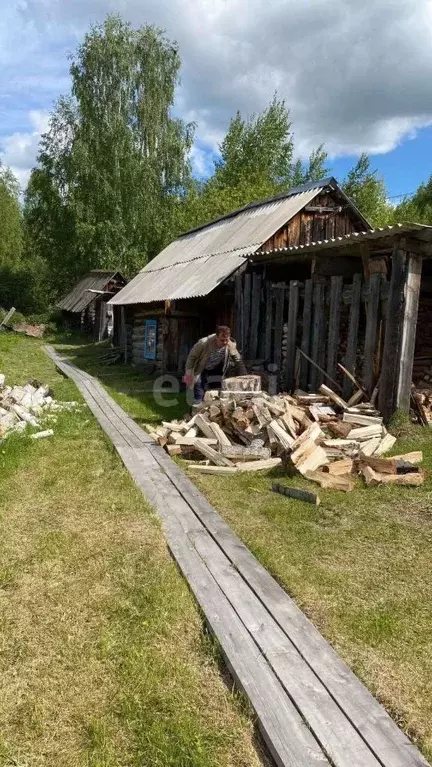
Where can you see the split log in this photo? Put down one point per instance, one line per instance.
(356, 398)
(366, 432)
(313, 432)
(245, 383)
(413, 479)
(178, 439)
(414, 458)
(198, 467)
(330, 482)
(203, 424)
(43, 434)
(289, 422)
(192, 432)
(333, 396)
(341, 467)
(174, 450)
(313, 461)
(339, 428)
(322, 412)
(297, 493)
(240, 453)
(369, 447)
(385, 445)
(174, 426)
(211, 454)
(281, 435)
(371, 477)
(362, 420)
(262, 413)
(270, 463)
(220, 435)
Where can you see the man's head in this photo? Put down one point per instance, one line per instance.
(223, 335)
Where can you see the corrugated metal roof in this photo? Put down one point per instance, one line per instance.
(78, 298)
(420, 231)
(196, 263)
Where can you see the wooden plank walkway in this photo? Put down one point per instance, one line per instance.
(310, 707)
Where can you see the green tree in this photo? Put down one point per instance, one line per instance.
(368, 192)
(114, 162)
(416, 209)
(256, 161)
(10, 219)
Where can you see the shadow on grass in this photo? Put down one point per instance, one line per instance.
(147, 398)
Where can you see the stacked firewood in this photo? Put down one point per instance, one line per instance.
(29, 408)
(321, 436)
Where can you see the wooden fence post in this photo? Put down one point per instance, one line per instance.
(247, 284)
(371, 330)
(238, 285)
(255, 315)
(268, 321)
(334, 319)
(279, 301)
(412, 293)
(291, 335)
(317, 334)
(306, 334)
(387, 395)
(351, 351)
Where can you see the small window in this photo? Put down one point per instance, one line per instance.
(150, 339)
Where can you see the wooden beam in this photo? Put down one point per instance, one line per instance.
(292, 335)
(387, 394)
(255, 315)
(306, 333)
(247, 283)
(317, 334)
(123, 334)
(238, 292)
(336, 286)
(412, 293)
(268, 321)
(279, 301)
(351, 351)
(371, 330)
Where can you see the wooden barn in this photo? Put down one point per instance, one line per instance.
(190, 287)
(85, 306)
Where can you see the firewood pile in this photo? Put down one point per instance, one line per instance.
(322, 437)
(30, 407)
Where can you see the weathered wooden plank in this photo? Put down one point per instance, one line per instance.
(255, 316)
(247, 285)
(412, 295)
(279, 293)
(336, 286)
(351, 351)
(306, 334)
(387, 394)
(268, 322)
(371, 331)
(315, 377)
(292, 335)
(238, 297)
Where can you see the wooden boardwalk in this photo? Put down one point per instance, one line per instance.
(310, 707)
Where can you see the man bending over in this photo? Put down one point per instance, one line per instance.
(208, 362)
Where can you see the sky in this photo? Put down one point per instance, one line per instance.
(356, 76)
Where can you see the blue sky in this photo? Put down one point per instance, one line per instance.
(356, 77)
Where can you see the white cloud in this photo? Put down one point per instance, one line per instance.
(356, 76)
(18, 151)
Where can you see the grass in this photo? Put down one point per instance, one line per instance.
(359, 565)
(104, 660)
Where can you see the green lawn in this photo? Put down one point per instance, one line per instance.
(104, 659)
(359, 565)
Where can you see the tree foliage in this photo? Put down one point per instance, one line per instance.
(256, 161)
(368, 192)
(10, 219)
(114, 161)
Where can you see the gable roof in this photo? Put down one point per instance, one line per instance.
(79, 297)
(200, 260)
